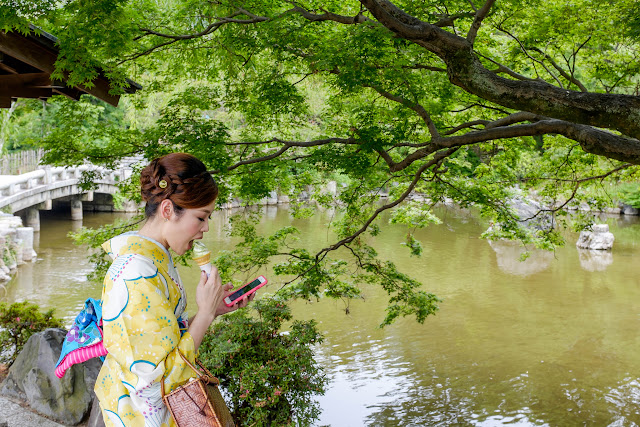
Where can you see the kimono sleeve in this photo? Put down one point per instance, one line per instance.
(141, 331)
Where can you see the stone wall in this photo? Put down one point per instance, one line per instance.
(16, 245)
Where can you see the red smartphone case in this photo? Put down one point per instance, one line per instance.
(248, 292)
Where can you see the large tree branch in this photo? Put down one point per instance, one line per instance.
(328, 16)
(611, 111)
(286, 145)
(212, 27)
(209, 28)
(590, 139)
(416, 178)
(477, 21)
(419, 109)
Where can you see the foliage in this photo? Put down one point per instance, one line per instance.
(476, 107)
(269, 374)
(94, 238)
(438, 100)
(630, 195)
(18, 321)
(9, 252)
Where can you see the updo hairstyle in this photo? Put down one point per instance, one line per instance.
(188, 184)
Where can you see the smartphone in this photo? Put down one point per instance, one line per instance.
(247, 289)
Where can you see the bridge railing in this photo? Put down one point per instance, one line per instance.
(51, 175)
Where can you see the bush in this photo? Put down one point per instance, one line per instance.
(269, 377)
(18, 322)
(630, 195)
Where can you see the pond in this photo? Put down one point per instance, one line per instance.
(549, 341)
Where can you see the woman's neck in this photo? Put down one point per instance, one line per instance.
(153, 228)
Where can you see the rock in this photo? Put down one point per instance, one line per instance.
(95, 417)
(11, 220)
(272, 199)
(25, 234)
(599, 238)
(530, 213)
(332, 188)
(283, 199)
(18, 252)
(629, 210)
(130, 206)
(32, 378)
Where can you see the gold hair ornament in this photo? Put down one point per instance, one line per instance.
(162, 183)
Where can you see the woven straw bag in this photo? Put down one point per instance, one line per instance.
(198, 403)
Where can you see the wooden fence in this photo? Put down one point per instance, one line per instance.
(20, 162)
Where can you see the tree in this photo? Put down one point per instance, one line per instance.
(450, 99)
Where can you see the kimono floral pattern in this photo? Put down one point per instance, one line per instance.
(143, 309)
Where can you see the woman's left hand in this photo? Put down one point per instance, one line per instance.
(223, 308)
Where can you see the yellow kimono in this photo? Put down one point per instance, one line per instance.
(142, 301)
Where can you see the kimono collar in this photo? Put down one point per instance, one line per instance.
(134, 243)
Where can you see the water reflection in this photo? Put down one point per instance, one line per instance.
(625, 401)
(76, 225)
(592, 260)
(547, 341)
(509, 257)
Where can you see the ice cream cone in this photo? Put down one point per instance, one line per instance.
(202, 257)
(202, 260)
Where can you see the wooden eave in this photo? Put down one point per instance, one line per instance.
(26, 65)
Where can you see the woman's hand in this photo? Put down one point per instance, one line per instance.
(228, 290)
(210, 293)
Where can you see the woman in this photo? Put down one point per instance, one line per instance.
(143, 301)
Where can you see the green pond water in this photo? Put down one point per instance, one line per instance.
(550, 341)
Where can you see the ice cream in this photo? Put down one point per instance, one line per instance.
(202, 257)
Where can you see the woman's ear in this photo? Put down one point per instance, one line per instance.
(165, 209)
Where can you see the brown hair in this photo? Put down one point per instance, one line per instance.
(188, 184)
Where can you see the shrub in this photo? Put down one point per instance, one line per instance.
(630, 194)
(18, 322)
(269, 377)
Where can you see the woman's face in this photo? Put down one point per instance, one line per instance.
(181, 230)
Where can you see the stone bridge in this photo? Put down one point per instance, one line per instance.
(25, 195)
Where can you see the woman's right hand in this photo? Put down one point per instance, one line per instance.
(209, 293)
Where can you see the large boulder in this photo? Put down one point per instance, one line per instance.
(32, 379)
(629, 210)
(95, 417)
(599, 238)
(531, 213)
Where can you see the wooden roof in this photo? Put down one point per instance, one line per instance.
(26, 64)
